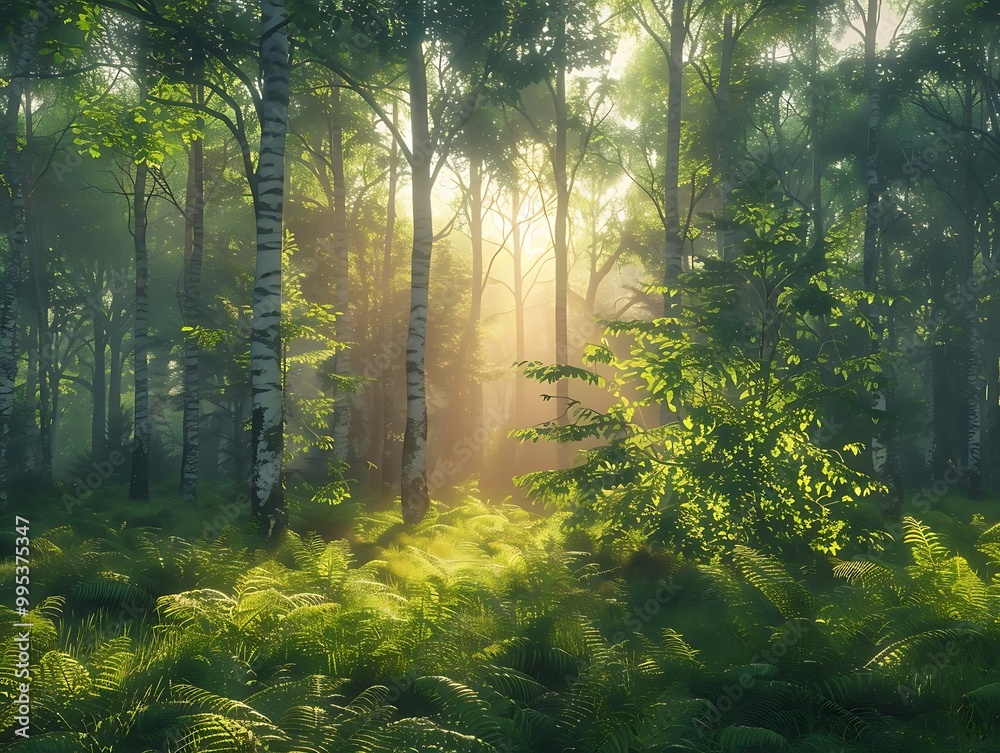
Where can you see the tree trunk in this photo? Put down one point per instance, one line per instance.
(41, 450)
(817, 250)
(139, 486)
(383, 443)
(341, 281)
(992, 409)
(267, 492)
(98, 421)
(725, 233)
(974, 388)
(240, 457)
(672, 159)
(517, 254)
(10, 169)
(930, 422)
(561, 247)
(673, 243)
(31, 427)
(116, 419)
(476, 235)
(46, 388)
(194, 236)
(413, 479)
(884, 452)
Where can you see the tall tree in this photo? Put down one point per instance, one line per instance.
(194, 243)
(341, 276)
(467, 43)
(267, 421)
(884, 444)
(20, 62)
(139, 481)
(667, 22)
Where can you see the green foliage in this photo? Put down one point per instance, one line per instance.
(143, 131)
(742, 378)
(480, 630)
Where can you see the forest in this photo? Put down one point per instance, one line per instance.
(500, 376)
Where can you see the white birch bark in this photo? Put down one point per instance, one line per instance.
(414, 496)
(139, 485)
(267, 419)
(341, 281)
(974, 408)
(195, 237)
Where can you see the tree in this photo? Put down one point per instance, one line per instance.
(470, 43)
(737, 464)
(267, 491)
(194, 243)
(19, 65)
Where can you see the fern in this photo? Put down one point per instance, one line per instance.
(927, 549)
(742, 739)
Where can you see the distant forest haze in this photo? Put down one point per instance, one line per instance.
(303, 302)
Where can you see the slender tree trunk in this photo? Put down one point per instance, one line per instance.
(194, 236)
(992, 410)
(360, 434)
(725, 233)
(884, 452)
(476, 235)
(239, 467)
(383, 448)
(816, 102)
(98, 421)
(673, 243)
(413, 492)
(32, 332)
(23, 58)
(139, 486)
(116, 419)
(930, 424)
(517, 254)
(42, 448)
(874, 211)
(46, 388)
(672, 159)
(30, 428)
(224, 454)
(341, 281)
(267, 492)
(561, 245)
(974, 388)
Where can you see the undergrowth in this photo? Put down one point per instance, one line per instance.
(488, 628)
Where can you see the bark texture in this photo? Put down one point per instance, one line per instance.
(413, 479)
(267, 409)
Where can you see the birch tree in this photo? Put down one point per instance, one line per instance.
(267, 417)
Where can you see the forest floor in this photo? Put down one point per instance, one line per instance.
(166, 627)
